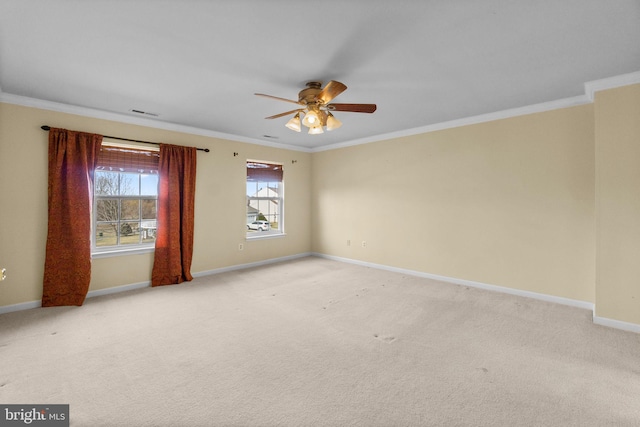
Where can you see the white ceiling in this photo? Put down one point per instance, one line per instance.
(199, 63)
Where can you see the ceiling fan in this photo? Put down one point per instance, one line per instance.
(316, 108)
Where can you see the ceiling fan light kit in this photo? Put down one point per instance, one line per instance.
(332, 122)
(316, 107)
(311, 118)
(294, 123)
(316, 130)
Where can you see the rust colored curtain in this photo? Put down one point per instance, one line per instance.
(176, 198)
(67, 270)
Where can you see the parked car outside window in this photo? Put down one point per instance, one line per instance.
(258, 225)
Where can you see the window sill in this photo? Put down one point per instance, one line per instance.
(263, 235)
(107, 253)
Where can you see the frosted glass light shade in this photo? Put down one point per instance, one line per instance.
(294, 123)
(311, 119)
(332, 122)
(316, 130)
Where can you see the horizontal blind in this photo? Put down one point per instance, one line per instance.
(126, 159)
(259, 171)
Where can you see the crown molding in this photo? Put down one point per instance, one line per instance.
(590, 88)
(141, 121)
(483, 118)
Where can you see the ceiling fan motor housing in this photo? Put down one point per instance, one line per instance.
(310, 94)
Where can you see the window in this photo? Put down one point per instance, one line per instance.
(265, 199)
(125, 199)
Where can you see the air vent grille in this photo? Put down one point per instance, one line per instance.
(144, 113)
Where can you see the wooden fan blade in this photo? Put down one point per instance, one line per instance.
(278, 98)
(330, 91)
(284, 114)
(354, 108)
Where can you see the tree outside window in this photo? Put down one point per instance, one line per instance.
(125, 199)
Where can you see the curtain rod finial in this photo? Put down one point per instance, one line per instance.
(45, 127)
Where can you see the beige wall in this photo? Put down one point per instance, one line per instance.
(545, 202)
(220, 202)
(617, 124)
(508, 203)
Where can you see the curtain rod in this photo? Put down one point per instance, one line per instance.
(206, 150)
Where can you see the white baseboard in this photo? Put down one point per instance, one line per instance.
(117, 289)
(21, 306)
(543, 297)
(37, 304)
(616, 324)
(251, 265)
(603, 321)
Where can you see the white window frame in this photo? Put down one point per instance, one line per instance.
(118, 250)
(280, 200)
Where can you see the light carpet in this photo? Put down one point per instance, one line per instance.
(316, 342)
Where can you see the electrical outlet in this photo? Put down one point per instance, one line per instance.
(364, 243)
(240, 246)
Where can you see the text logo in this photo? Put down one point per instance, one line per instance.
(34, 415)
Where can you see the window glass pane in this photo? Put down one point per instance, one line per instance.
(106, 234)
(148, 231)
(149, 185)
(252, 188)
(130, 209)
(148, 209)
(264, 198)
(129, 184)
(106, 183)
(125, 210)
(107, 210)
(129, 233)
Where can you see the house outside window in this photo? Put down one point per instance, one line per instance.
(265, 199)
(125, 201)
